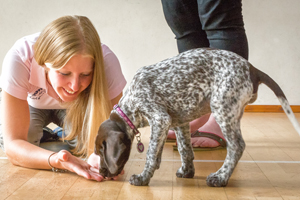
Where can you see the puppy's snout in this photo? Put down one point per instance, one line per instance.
(113, 169)
(106, 173)
(103, 172)
(109, 169)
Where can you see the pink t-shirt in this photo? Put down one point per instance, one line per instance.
(23, 78)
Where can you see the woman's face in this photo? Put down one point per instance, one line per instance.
(69, 81)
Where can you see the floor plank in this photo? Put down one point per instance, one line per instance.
(268, 169)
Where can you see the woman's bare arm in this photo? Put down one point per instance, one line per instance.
(15, 126)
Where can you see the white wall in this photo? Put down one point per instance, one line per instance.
(273, 30)
(137, 32)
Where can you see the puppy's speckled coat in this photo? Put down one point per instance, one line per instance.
(170, 94)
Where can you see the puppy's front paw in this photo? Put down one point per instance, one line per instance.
(138, 180)
(185, 173)
(216, 180)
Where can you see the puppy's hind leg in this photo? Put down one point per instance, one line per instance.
(185, 150)
(230, 126)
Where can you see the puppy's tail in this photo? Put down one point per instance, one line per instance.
(258, 77)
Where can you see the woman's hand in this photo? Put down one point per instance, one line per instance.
(94, 161)
(66, 160)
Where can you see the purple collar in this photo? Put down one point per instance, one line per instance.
(140, 146)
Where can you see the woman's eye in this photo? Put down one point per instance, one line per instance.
(86, 74)
(64, 74)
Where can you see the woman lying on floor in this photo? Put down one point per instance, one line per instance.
(62, 75)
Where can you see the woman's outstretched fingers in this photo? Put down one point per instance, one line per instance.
(79, 166)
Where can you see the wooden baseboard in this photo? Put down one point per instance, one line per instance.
(269, 108)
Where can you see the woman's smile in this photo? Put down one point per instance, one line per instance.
(68, 91)
(70, 80)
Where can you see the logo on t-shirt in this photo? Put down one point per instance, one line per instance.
(37, 94)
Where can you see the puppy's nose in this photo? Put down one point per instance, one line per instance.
(103, 172)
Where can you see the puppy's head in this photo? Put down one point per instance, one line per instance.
(113, 145)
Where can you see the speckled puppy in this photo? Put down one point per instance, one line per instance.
(170, 94)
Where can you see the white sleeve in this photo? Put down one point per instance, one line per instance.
(15, 75)
(113, 72)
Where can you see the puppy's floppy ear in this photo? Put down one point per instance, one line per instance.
(115, 147)
(114, 123)
(101, 136)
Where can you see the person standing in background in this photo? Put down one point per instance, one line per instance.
(206, 24)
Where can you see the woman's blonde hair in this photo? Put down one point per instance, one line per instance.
(57, 43)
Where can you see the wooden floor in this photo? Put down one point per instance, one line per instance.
(269, 169)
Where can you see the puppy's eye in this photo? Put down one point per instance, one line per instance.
(104, 145)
